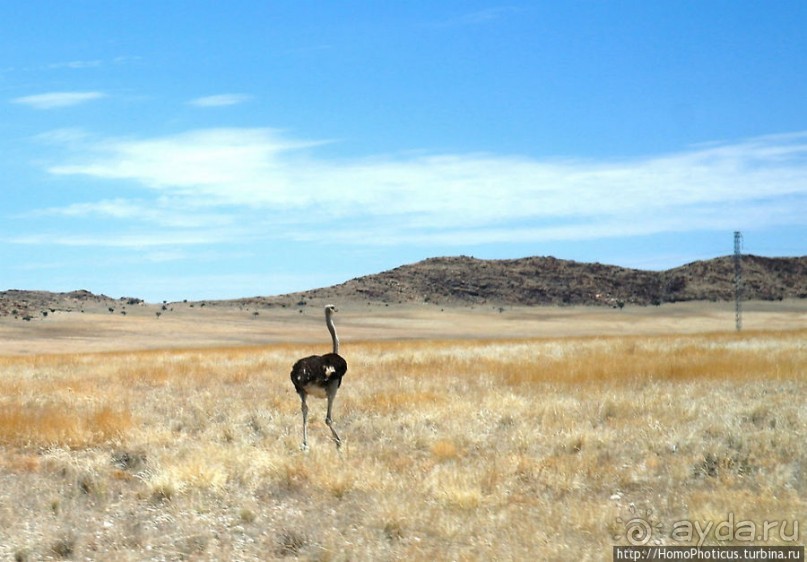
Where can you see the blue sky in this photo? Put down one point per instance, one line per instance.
(201, 149)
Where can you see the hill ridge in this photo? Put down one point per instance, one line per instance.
(546, 280)
(468, 281)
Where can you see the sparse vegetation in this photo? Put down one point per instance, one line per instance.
(454, 449)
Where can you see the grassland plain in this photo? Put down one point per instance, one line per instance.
(456, 449)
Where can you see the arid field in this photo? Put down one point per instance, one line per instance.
(519, 434)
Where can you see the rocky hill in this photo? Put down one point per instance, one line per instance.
(464, 281)
(33, 304)
(451, 281)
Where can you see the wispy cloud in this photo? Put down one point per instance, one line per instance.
(54, 100)
(478, 17)
(80, 64)
(486, 15)
(77, 64)
(139, 240)
(259, 177)
(220, 100)
(162, 212)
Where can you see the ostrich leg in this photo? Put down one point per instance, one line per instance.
(329, 419)
(305, 420)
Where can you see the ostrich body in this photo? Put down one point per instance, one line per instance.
(320, 376)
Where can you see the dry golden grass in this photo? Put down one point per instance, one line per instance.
(513, 449)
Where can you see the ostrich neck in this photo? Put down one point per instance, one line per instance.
(332, 330)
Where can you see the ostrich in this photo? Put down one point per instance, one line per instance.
(320, 376)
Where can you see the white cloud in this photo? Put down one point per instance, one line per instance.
(220, 100)
(486, 15)
(163, 212)
(138, 240)
(255, 177)
(77, 64)
(210, 166)
(53, 100)
(477, 17)
(66, 137)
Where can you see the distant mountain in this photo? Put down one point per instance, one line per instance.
(451, 281)
(463, 281)
(37, 304)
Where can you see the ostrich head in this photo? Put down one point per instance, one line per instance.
(329, 310)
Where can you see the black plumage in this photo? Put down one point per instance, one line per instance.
(316, 374)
